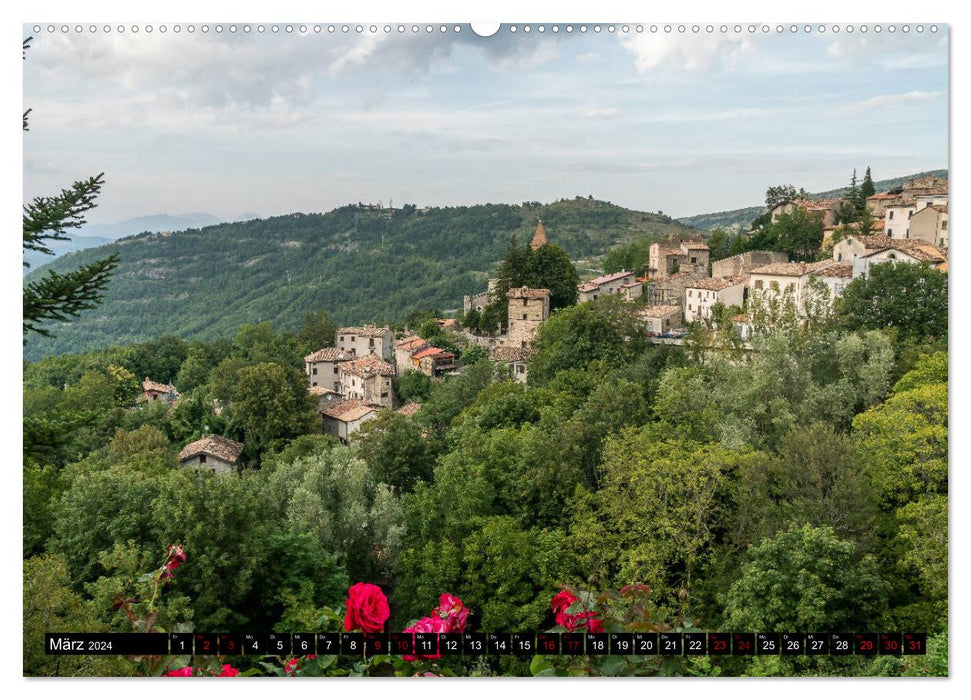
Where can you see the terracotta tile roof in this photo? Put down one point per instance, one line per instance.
(447, 322)
(539, 238)
(695, 245)
(604, 279)
(659, 311)
(938, 207)
(322, 391)
(630, 285)
(411, 343)
(527, 293)
(347, 411)
(214, 445)
(716, 284)
(410, 409)
(327, 355)
(432, 352)
(883, 195)
(791, 269)
(366, 367)
(504, 353)
(834, 270)
(366, 331)
(917, 249)
(149, 385)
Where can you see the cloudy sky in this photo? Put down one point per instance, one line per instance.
(238, 124)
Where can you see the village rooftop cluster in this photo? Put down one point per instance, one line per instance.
(353, 380)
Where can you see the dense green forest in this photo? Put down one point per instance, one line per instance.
(359, 264)
(743, 217)
(800, 485)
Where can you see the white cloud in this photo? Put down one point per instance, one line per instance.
(687, 52)
(884, 101)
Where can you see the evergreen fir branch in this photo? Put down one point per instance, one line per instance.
(61, 297)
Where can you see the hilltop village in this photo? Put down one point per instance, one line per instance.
(681, 287)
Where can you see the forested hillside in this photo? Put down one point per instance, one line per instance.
(358, 264)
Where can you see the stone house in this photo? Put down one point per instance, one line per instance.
(368, 379)
(852, 248)
(361, 341)
(632, 290)
(605, 284)
(345, 418)
(773, 281)
(877, 203)
(404, 349)
(661, 319)
(154, 391)
(433, 361)
(325, 397)
(915, 254)
(669, 291)
(743, 263)
(213, 452)
(528, 308)
(321, 367)
(514, 359)
(674, 255)
(825, 208)
(930, 225)
(701, 295)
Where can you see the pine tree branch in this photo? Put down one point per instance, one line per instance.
(58, 297)
(47, 218)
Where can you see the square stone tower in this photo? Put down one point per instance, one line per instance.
(527, 309)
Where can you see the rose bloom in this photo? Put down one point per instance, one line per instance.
(453, 611)
(180, 672)
(561, 601)
(426, 624)
(229, 671)
(367, 608)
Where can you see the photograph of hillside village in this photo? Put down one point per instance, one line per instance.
(440, 411)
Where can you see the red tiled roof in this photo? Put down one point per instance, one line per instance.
(505, 353)
(659, 311)
(327, 355)
(366, 331)
(539, 238)
(149, 385)
(716, 284)
(431, 352)
(214, 445)
(410, 409)
(604, 279)
(349, 410)
(366, 367)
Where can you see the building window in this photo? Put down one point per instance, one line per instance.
(890, 215)
(839, 257)
(521, 369)
(524, 317)
(342, 339)
(202, 459)
(371, 342)
(689, 292)
(524, 302)
(774, 286)
(758, 284)
(944, 225)
(524, 343)
(314, 371)
(335, 369)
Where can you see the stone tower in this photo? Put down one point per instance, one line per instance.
(539, 238)
(527, 309)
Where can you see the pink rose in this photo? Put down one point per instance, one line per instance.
(573, 621)
(452, 610)
(229, 671)
(367, 608)
(180, 672)
(434, 625)
(561, 601)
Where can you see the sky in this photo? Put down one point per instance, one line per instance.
(243, 124)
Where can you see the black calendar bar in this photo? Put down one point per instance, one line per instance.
(97, 644)
(475, 644)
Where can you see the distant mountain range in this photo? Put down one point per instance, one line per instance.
(741, 218)
(92, 235)
(358, 264)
